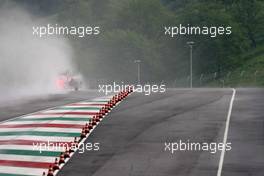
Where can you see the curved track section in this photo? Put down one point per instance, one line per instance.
(42, 142)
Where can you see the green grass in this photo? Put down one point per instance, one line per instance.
(249, 73)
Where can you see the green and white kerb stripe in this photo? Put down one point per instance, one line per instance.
(19, 137)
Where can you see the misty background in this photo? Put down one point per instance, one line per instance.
(29, 65)
(132, 30)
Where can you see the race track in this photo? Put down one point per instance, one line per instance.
(22, 106)
(132, 136)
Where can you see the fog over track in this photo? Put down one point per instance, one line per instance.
(29, 64)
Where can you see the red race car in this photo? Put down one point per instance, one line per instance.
(67, 81)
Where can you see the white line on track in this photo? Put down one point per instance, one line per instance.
(40, 138)
(221, 161)
(56, 115)
(21, 170)
(83, 106)
(46, 121)
(36, 147)
(42, 129)
(10, 157)
(70, 110)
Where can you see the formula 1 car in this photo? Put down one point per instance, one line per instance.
(67, 81)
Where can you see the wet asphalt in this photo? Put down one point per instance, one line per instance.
(132, 137)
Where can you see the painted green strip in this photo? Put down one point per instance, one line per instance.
(54, 118)
(39, 133)
(79, 108)
(5, 174)
(30, 152)
(101, 101)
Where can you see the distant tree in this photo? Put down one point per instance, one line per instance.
(249, 13)
(216, 52)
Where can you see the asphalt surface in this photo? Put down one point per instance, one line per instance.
(22, 106)
(132, 137)
(247, 135)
